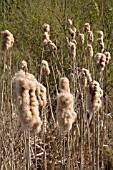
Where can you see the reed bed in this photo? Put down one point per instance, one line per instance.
(60, 118)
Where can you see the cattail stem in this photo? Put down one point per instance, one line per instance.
(64, 156)
(93, 142)
(44, 132)
(3, 81)
(28, 154)
(40, 66)
(35, 151)
(69, 152)
(97, 142)
(49, 98)
(11, 109)
(55, 80)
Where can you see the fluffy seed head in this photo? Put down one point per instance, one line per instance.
(100, 61)
(100, 34)
(70, 22)
(45, 67)
(90, 36)
(72, 33)
(89, 50)
(94, 94)
(52, 46)
(64, 84)
(23, 65)
(26, 87)
(41, 94)
(86, 27)
(46, 27)
(85, 77)
(100, 45)
(65, 112)
(81, 39)
(72, 46)
(45, 38)
(108, 57)
(7, 40)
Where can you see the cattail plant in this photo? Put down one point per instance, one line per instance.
(72, 30)
(72, 47)
(100, 45)
(108, 56)
(81, 38)
(23, 66)
(85, 77)
(45, 36)
(64, 85)
(65, 111)
(46, 27)
(26, 85)
(89, 50)
(45, 67)
(100, 41)
(70, 23)
(100, 61)
(41, 94)
(94, 95)
(90, 36)
(52, 46)
(7, 40)
(86, 27)
(100, 34)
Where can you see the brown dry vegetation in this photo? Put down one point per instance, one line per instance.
(89, 143)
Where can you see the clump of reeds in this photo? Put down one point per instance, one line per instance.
(7, 40)
(94, 95)
(100, 61)
(30, 93)
(85, 77)
(65, 111)
(45, 67)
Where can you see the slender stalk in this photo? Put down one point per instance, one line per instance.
(49, 98)
(42, 56)
(28, 154)
(44, 132)
(69, 152)
(93, 142)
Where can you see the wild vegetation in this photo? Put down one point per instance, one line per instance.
(56, 85)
